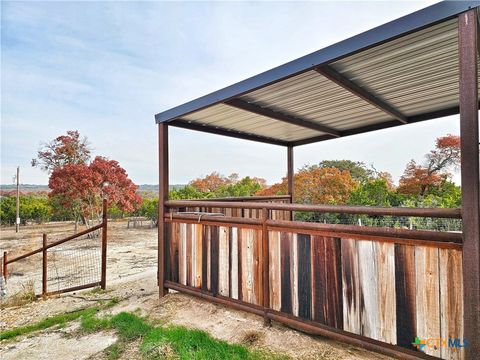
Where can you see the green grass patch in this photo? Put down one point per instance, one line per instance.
(114, 351)
(130, 326)
(61, 320)
(91, 323)
(188, 344)
(88, 315)
(177, 342)
(162, 342)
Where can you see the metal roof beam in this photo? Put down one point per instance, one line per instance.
(384, 125)
(349, 85)
(273, 114)
(185, 124)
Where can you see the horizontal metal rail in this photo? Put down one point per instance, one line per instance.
(439, 239)
(39, 250)
(345, 209)
(73, 288)
(250, 198)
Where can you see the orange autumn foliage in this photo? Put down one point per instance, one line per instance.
(212, 182)
(315, 185)
(417, 179)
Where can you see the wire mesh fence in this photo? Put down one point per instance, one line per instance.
(401, 222)
(74, 263)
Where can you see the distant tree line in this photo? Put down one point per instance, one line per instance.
(77, 186)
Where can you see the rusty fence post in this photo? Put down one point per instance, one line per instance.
(44, 266)
(4, 270)
(103, 279)
(468, 37)
(265, 267)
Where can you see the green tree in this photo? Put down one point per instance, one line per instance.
(357, 169)
(375, 193)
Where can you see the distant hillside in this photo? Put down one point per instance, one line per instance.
(26, 188)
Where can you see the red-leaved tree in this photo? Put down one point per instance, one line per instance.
(63, 150)
(82, 187)
(418, 179)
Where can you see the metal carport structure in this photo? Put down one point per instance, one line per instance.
(419, 67)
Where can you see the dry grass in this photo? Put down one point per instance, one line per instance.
(22, 297)
(250, 338)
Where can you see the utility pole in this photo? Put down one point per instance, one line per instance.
(17, 219)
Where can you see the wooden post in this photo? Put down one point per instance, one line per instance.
(162, 197)
(265, 267)
(4, 270)
(103, 280)
(44, 265)
(467, 46)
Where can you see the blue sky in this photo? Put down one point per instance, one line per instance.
(105, 68)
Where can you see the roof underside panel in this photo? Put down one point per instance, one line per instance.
(227, 117)
(312, 97)
(417, 73)
(408, 78)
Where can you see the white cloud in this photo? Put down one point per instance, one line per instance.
(105, 68)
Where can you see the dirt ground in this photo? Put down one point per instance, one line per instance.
(131, 277)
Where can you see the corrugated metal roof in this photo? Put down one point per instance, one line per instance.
(414, 74)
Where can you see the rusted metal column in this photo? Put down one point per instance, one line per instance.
(468, 52)
(265, 266)
(4, 269)
(103, 279)
(44, 265)
(162, 197)
(290, 173)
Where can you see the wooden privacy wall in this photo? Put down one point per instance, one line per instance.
(381, 290)
(219, 259)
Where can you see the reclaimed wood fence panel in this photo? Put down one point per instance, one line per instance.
(386, 291)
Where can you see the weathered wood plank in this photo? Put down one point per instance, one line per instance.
(304, 276)
(240, 265)
(248, 265)
(234, 269)
(189, 258)
(333, 271)
(205, 257)
(351, 286)
(275, 270)
(214, 259)
(405, 294)
(319, 280)
(385, 259)
(294, 273)
(286, 288)
(182, 254)
(198, 256)
(223, 261)
(257, 267)
(367, 264)
(451, 301)
(168, 257)
(427, 299)
(174, 251)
